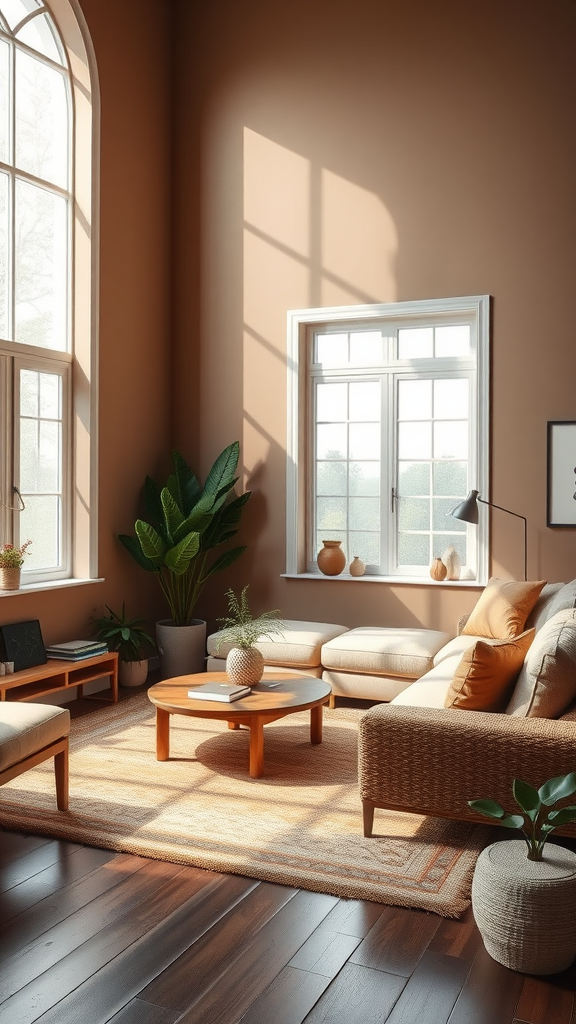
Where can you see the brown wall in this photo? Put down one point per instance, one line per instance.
(375, 151)
(132, 47)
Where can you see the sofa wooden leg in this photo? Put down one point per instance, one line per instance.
(62, 780)
(368, 817)
(332, 701)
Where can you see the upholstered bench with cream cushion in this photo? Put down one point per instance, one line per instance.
(297, 649)
(30, 734)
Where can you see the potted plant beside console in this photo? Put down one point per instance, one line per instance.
(132, 641)
(185, 524)
(244, 662)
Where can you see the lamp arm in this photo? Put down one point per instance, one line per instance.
(518, 516)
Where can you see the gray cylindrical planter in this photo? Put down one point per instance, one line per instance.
(182, 649)
(526, 910)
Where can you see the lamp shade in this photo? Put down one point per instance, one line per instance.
(467, 510)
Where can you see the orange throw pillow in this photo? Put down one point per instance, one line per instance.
(502, 608)
(487, 672)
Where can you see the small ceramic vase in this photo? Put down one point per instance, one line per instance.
(438, 570)
(357, 567)
(451, 560)
(331, 558)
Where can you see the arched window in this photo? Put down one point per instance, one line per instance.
(47, 309)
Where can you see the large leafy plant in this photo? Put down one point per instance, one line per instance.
(185, 523)
(241, 628)
(539, 817)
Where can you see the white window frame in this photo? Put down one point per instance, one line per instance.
(302, 324)
(79, 364)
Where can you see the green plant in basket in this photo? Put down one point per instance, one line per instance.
(540, 817)
(241, 628)
(127, 636)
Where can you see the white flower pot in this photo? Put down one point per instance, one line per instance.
(182, 649)
(524, 909)
(133, 673)
(244, 666)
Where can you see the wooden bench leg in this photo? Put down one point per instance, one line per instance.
(62, 778)
(368, 817)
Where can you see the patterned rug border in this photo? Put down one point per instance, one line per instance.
(450, 866)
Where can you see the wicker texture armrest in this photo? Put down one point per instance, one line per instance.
(433, 761)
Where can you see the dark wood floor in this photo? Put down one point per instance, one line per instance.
(88, 936)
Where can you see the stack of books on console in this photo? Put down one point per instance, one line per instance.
(225, 692)
(76, 650)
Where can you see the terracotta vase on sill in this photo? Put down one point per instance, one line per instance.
(331, 559)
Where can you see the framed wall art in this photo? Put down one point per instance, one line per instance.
(561, 504)
(22, 643)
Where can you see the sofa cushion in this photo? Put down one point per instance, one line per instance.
(563, 600)
(299, 645)
(219, 665)
(547, 683)
(430, 691)
(384, 650)
(486, 673)
(502, 608)
(457, 645)
(545, 606)
(364, 687)
(26, 728)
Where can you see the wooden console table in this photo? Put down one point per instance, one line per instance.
(57, 675)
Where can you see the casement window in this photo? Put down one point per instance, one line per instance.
(47, 314)
(388, 430)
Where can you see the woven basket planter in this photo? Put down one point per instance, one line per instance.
(10, 579)
(244, 666)
(524, 909)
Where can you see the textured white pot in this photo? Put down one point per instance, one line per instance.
(182, 649)
(524, 909)
(133, 673)
(244, 666)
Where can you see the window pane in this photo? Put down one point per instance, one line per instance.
(450, 440)
(414, 440)
(365, 401)
(331, 515)
(331, 441)
(458, 540)
(332, 402)
(365, 545)
(366, 348)
(331, 478)
(451, 478)
(451, 399)
(4, 103)
(331, 349)
(414, 399)
(414, 514)
(442, 518)
(364, 513)
(40, 35)
(41, 120)
(4, 256)
(414, 478)
(15, 10)
(415, 342)
(414, 549)
(453, 340)
(29, 392)
(364, 478)
(364, 441)
(41, 520)
(41, 267)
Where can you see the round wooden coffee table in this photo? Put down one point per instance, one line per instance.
(277, 695)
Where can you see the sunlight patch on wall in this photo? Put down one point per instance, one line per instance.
(277, 193)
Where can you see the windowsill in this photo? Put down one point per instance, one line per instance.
(34, 588)
(415, 581)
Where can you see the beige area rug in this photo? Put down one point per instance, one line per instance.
(300, 824)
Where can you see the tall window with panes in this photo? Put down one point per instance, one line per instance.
(36, 209)
(388, 407)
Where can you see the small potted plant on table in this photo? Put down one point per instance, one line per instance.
(132, 641)
(244, 662)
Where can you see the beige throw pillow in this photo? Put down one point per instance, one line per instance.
(502, 609)
(547, 682)
(486, 673)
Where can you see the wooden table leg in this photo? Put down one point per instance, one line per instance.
(162, 734)
(256, 747)
(316, 724)
(233, 725)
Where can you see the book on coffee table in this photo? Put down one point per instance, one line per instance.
(226, 692)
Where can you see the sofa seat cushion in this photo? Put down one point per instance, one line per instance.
(219, 665)
(385, 651)
(546, 686)
(298, 646)
(487, 672)
(364, 687)
(502, 608)
(27, 728)
(458, 645)
(430, 691)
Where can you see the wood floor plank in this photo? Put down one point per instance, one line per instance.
(109, 988)
(267, 955)
(354, 917)
(34, 861)
(489, 995)
(16, 844)
(358, 995)
(212, 954)
(431, 991)
(544, 1002)
(18, 900)
(288, 999)
(63, 903)
(325, 952)
(397, 941)
(93, 937)
(458, 938)
(139, 1012)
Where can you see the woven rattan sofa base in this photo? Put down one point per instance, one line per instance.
(432, 761)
